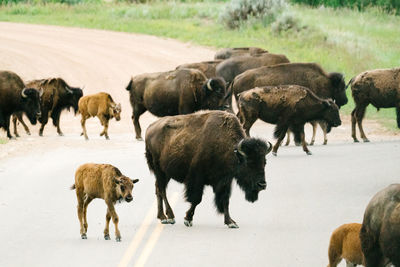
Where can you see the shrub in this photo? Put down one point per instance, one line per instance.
(286, 22)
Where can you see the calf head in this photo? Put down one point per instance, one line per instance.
(339, 88)
(331, 114)
(115, 111)
(250, 174)
(124, 187)
(214, 89)
(30, 99)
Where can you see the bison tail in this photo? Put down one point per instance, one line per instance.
(398, 116)
(72, 187)
(128, 88)
(348, 84)
(279, 131)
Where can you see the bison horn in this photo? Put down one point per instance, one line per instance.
(68, 90)
(23, 93)
(239, 149)
(209, 85)
(269, 147)
(41, 92)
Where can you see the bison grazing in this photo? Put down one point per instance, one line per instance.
(230, 68)
(380, 231)
(309, 75)
(204, 148)
(101, 105)
(175, 92)
(101, 181)
(207, 67)
(226, 53)
(15, 97)
(287, 106)
(381, 88)
(57, 96)
(345, 244)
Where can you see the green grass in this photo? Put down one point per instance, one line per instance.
(3, 141)
(340, 40)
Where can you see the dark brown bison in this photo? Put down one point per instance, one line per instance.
(287, 106)
(230, 68)
(16, 97)
(310, 75)
(380, 231)
(99, 105)
(207, 67)
(226, 53)
(204, 148)
(57, 96)
(101, 181)
(175, 92)
(381, 88)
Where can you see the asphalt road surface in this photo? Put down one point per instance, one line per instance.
(307, 197)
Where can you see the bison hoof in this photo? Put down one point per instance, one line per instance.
(107, 138)
(28, 133)
(17, 135)
(325, 142)
(309, 153)
(118, 239)
(84, 236)
(171, 221)
(311, 143)
(164, 221)
(60, 134)
(107, 237)
(139, 138)
(233, 225)
(365, 140)
(274, 153)
(188, 223)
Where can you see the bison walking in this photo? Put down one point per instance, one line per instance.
(204, 148)
(287, 106)
(380, 231)
(101, 181)
(176, 92)
(16, 97)
(381, 88)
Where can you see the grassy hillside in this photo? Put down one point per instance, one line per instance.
(341, 40)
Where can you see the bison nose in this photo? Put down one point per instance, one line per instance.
(262, 185)
(129, 198)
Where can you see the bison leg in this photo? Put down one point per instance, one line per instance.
(7, 127)
(279, 133)
(222, 196)
(43, 120)
(359, 115)
(137, 111)
(304, 143)
(83, 123)
(107, 228)
(353, 126)
(162, 196)
(287, 138)
(371, 248)
(194, 195)
(324, 128)
(80, 196)
(314, 132)
(23, 124)
(14, 120)
(115, 219)
(104, 122)
(85, 205)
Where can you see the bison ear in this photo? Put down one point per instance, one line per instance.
(241, 156)
(117, 181)
(135, 181)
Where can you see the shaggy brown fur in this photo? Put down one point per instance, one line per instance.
(230, 68)
(345, 244)
(287, 106)
(99, 105)
(207, 67)
(16, 98)
(176, 92)
(381, 88)
(204, 148)
(101, 181)
(226, 53)
(380, 231)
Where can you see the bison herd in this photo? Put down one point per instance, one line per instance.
(200, 141)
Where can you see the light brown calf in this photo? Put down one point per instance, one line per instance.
(345, 244)
(101, 181)
(100, 105)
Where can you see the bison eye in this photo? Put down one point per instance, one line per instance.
(122, 188)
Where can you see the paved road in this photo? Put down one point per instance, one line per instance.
(306, 198)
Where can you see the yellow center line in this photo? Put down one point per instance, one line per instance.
(154, 237)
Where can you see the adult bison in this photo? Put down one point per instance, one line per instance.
(205, 148)
(175, 92)
(381, 88)
(380, 231)
(230, 68)
(310, 75)
(226, 53)
(287, 106)
(207, 67)
(16, 97)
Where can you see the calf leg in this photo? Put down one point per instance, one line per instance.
(137, 111)
(105, 123)
(83, 123)
(314, 132)
(115, 219)
(85, 205)
(80, 196)
(107, 228)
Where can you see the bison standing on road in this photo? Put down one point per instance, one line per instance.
(380, 231)
(226, 53)
(205, 148)
(207, 67)
(16, 97)
(101, 105)
(175, 92)
(57, 96)
(230, 68)
(310, 75)
(101, 181)
(287, 106)
(381, 88)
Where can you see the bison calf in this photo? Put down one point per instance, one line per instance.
(102, 106)
(345, 244)
(101, 181)
(287, 106)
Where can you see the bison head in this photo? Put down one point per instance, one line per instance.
(69, 96)
(250, 175)
(124, 187)
(214, 94)
(31, 103)
(339, 88)
(115, 111)
(331, 114)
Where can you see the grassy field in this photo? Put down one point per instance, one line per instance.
(340, 40)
